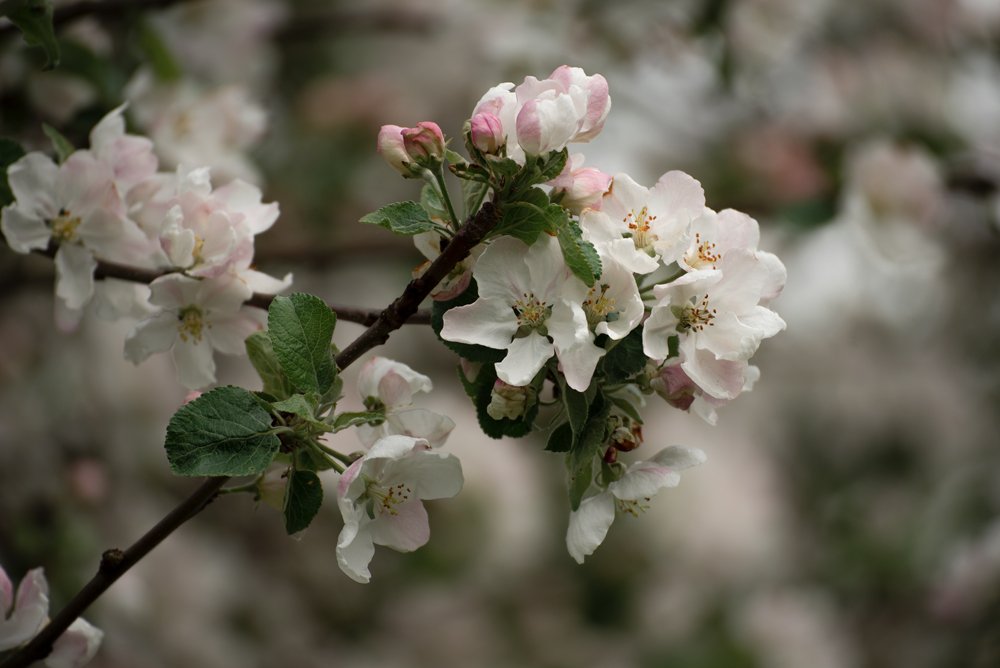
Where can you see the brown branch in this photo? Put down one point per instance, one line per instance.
(123, 272)
(115, 563)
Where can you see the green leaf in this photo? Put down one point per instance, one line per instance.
(430, 200)
(551, 166)
(585, 449)
(303, 499)
(10, 152)
(402, 218)
(580, 255)
(473, 353)
(300, 327)
(34, 19)
(63, 147)
(304, 407)
(346, 420)
(626, 358)
(561, 439)
(577, 407)
(673, 346)
(225, 432)
(524, 218)
(158, 56)
(473, 194)
(626, 407)
(262, 357)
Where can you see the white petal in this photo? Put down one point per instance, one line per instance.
(525, 356)
(421, 423)
(76, 646)
(643, 480)
(155, 335)
(405, 529)
(173, 291)
(264, 283)
(24, 232)
(679, 457)
(589, 524)
(32, 180)
(195, 364)
(431, 474)
(500, 272)
(6, 593)
(31, 610)
(75, 267)
(394, 383)
(658, 328)
(228, 332)
(487, 322)
(355, 550)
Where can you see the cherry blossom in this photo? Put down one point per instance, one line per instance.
(380, 499)
(631, 494)
(389, 386)
(531, 305)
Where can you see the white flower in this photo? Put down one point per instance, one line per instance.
(77, 205)
(589, 524)
(643, 227)
(197, 317)
(380, 499)
(717, 315)
(21, 618)
(391, 385)
(530, 304)
(130, 157)
(680, 391)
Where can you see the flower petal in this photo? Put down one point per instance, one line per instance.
(195, 364)
(355, 550)
(75, 267)
(32, 180)
(154, 335)
(525, 356)
(589, 524)
(76, 646)
(31, 610)
(486, 322)
(405, 529)
(24, 232)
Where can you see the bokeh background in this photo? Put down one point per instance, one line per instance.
(849, 514)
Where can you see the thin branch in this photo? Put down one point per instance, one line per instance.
(361, 316)
(114, 564)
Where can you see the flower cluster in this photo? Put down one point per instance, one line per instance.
(592, 289)
(108, 203)
(24, 614)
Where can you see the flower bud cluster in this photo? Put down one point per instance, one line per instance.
(109, 203)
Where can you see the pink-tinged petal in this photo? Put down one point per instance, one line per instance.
(195, 364)
(721, 379)
(431, 474)
(31, 610)
(589, 524)
(85, 185)
(347, 477)
(643, 480)
(108, 129)
(736, 229)
(678, 193)
(764, 320)
(729, 338)
(393, 447)
(32, 180)
(679, 457)
(525, 356)
(355, 550)
(776, 275)
(75, 267)
(546, 124)
(578, 363)
(394, 383)
(404, 529)
(222, 295)
(228, 332)
(173, 291)
(487, 322)
(263, 283)
(6, 593)
(625, 194)
(245, 198)
(421, 423)
(76, 646)
(155, 335)
(23, 231)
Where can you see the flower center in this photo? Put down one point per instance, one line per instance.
(386, 499)
(191, 322)
(694, 317)
(704, 254)
(199, 248)
(639, 229)
(633, 507)
(531, 312)
(64, 226)
(598, 306)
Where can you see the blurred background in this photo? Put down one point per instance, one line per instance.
(849, 514)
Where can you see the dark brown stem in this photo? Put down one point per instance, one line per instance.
(114, 564)
(361, 316)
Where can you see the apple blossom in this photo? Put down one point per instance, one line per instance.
(424, 143)
(486, 132)
(197, 317)
(677, 389)
(530, 304)
(631, 494)
(380, 496)
(644, 227)
(130, 157)
(578, 187)
(389, 386)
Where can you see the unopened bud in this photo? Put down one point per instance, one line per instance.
(626, 434)
(486, 131)
(509, 401)
(676, 388)
(580, 187)
(424, 143)
(390, 146)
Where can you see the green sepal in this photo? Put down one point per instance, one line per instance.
(62, 146)
(625, 359)
(560, 438)
(224, 432)
(10, 152)
(303, 499)
(673, 346)
(406, 218)
(454, 158)
(300, 327)
(263, 359)
(473, 353)
(34, 19)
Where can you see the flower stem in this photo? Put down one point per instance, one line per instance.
(443, 187)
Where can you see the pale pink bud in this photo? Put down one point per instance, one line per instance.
(390, 146)
(675, 387)
(581, 188)
(487, 133)
(546, 123)
(598, 99)
(424, 143)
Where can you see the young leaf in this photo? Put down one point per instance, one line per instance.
(402, 218)
(63, 147)
(552, 165)
(225, 432)
(303, 499)
(585, 449)
(34, 19)
(345, 420)
(10, 152)
(580, 255)
(300, 327)
(262, 357)
(303, 407)
(561, 439)
(626, 358)
(524, 218)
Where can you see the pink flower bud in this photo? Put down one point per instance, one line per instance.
(424, 143)
(675, 387)
(487, 133)
(390, 146)
(581, 188)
